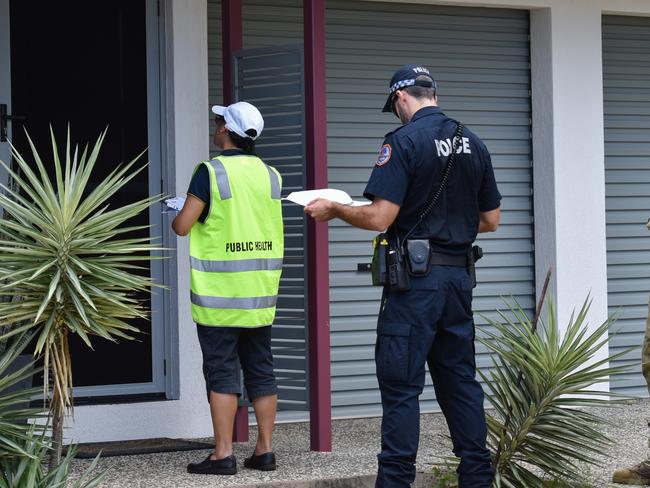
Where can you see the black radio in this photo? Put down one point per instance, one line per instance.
(398, 275)
(379, 265)
(389, 264)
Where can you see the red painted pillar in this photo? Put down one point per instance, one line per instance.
(232, 40)
(320, 395)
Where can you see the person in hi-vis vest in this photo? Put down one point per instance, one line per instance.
(233, 215)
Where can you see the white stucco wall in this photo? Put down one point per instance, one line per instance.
(568, 153)
(568, 157)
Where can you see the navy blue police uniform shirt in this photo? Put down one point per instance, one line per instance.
(200, 183)
(409, 168)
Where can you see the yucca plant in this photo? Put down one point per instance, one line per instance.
(14, 413)
(27, 471)
(67, 255)
(540, 433)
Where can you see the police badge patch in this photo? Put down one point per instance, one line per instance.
(384, 155)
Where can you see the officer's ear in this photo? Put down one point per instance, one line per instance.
(399, 95)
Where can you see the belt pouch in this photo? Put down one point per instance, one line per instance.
(418, 253)
(379, 264)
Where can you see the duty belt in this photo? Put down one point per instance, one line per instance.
(441, 259)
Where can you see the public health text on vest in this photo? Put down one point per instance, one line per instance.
(249, 246)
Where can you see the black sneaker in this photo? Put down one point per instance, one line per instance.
(224, 466)
(263, 462)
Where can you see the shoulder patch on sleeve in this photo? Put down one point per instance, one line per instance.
(384, 155)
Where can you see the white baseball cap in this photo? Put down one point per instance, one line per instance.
(242, 118)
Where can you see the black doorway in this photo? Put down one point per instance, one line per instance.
(84, 63)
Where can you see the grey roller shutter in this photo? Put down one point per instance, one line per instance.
(480, 57)
(626, 79)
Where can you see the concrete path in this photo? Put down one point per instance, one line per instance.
(353, 461)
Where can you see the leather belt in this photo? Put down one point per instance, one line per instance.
(441, 259)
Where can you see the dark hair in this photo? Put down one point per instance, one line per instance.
(244, 143)
(420, 92)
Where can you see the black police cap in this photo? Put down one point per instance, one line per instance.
(407, 76)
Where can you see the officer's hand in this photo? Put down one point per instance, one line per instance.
(321, 209)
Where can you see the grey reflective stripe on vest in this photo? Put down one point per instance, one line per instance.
(222, 179)
(235, 266)
(247, 303)
(275, 183)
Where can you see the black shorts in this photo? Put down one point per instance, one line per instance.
(226, 350)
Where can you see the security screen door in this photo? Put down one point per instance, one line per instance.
(93, 65)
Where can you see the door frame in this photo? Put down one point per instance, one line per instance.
(5, 79)
(164, 330)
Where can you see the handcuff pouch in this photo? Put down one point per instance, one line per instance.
(418, 253)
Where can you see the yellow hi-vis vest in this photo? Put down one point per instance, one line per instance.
(236, 254)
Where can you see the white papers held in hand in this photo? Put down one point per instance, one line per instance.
(175, 203)
(339, 196)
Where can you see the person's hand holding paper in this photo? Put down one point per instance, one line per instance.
(320, 204)
(175, 203)
(305, 197)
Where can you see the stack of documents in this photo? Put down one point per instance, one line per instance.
(338, 196)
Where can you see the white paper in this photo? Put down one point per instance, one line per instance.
(338, 196)
(175, 203)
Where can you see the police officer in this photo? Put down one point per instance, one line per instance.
(234, 217)
(639, 474)
(432, 321)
